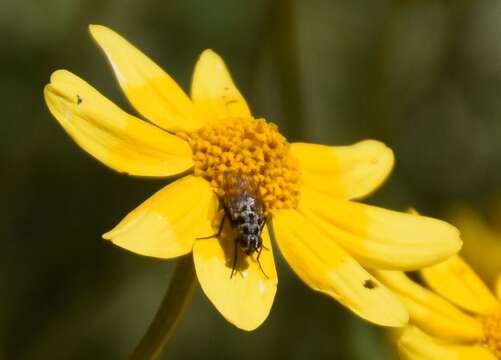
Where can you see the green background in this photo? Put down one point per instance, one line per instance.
(422, 76)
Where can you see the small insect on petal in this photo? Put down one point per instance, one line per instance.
(245, 211)
(369, 284)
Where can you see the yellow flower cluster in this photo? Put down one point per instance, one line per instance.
(455, 317)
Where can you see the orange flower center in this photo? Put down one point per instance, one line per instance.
(492, 333)
(250, 147)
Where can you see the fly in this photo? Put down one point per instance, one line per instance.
(245, 212)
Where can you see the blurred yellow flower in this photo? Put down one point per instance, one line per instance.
(481, 241)
(306, 189)
(456, 317)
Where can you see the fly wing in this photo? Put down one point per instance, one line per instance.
(233, 184)
(234, 188)
(237, 186)
(252, 190)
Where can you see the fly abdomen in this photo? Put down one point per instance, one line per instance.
(249, 237)
(246, 217)
(248, 228)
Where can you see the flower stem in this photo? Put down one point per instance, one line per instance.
(285, 51)
(172, 309)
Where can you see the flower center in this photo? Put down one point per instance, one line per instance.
(492, 333)
(253, 148)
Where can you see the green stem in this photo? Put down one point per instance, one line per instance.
(172, 309)
(284, 47)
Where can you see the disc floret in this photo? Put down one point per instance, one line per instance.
(253, 148)
(492, 333)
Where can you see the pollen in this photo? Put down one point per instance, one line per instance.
(492, 333)
(253, 148)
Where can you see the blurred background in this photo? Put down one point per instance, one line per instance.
(422, 76)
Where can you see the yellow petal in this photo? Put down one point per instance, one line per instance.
(482, 248)
(414, 344)
(346, 172)
(149, 89)
(381, 238)
(498, 287)
(325, 267)
(213, 90)
(457, 282)
(429, 311)
(245, 298)
(119, 140)
(167, 224)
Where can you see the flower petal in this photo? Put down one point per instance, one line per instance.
(482, 248)
(325, 267)
(381, 238)
(457, 282)
(213, 90)
(119, 140)
(498, 287)
(149, 89)
(167, 224)
(429, 311)
(414, 344)
(244, 299)
(346, 172)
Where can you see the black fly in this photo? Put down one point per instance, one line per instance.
(245, 212)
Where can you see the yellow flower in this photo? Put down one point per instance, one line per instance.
(306, 189)
(456, 317)
(481, 239)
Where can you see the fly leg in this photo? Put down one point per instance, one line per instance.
(235, 254)
(257, 259)
(261, 227)
(218, 231)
